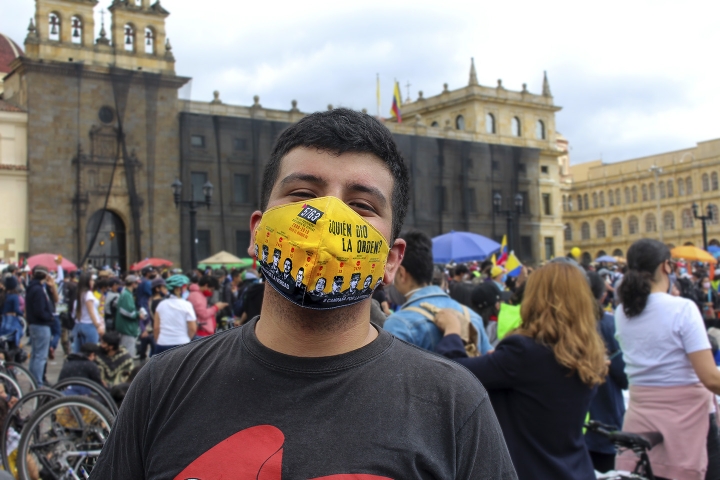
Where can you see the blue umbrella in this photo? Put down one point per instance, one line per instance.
(714, 250)
(462, 247)
(606, 258)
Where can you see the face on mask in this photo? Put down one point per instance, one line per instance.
(342, 257)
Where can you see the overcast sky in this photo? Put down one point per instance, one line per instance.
(634, 77)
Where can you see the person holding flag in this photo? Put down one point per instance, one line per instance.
(396, 104)
(503, 252)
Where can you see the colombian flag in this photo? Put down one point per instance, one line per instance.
(503, 252)
(396, 103)
(513, 265)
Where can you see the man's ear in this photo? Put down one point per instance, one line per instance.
(254, 222)
(394, 260)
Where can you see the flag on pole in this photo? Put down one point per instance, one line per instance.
(503, 251)
(396, 103)
(492, 259)
(513, 265)
(378, 95)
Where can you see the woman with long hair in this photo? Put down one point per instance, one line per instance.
(670, 368)
(89, 325)
(542, 376)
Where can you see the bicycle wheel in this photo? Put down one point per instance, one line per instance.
(12, 387)
(22, 375)
(20, 413)
(64, 438)
(97, 391)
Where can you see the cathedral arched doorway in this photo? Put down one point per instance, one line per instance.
(106, 232)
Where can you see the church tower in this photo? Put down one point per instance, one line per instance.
(103, 131)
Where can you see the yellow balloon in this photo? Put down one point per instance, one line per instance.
(575, 252)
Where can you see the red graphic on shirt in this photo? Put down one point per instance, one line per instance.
(251, 454)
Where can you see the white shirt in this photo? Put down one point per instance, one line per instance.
(656, 343)
(84, 312)
(174, 314)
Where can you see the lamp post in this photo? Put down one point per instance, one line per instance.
(192, 205)
(509, 215)
(703, 219)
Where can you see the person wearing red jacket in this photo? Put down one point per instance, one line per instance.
(199, 294)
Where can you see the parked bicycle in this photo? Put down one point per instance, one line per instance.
(639, 443)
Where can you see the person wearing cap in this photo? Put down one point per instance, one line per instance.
(82, 365)
(175, 322)
(40, 318)
(127, 319)
(112, 296)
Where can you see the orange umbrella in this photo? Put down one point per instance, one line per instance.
(694, 254)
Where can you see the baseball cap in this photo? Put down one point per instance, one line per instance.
(485, 294)
(131, 279)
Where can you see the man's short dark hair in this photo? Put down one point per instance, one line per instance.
(88, 349)
(339, 131)
(418, 259)
(461, 269)
(112, 338)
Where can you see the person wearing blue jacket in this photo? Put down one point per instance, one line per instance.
(40, 317)
(413, 280)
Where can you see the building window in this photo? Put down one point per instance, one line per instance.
(540, 130)
(515, 126)
(149, 41)
(652, 191)
(547, 207)
(197, 180)
(688, 186)
(644, 193)
(661, 188)
(197, 141)
(705, 182)
(460, 122)
(617, 253)
(611, 198)
(617, 196)
(687, 218)
(714, 212)
(600, 228)
(616, 227)
(241, 188)
(670, 189)
(440, 199)
(601, 199)
(54, 26)
(633, 225)
(595, 201)
(585, 231)
(627, 195)
(564, 203)
(129, 41)
(242, 242)
(549, 248)
(568, 232)
(203, 244)
(681, 187)
(586, 204)
(544, 169)
(580, 202)
(634, 194)
(471, 205)
(714, 180)
(76, 27)
(490, 123)
(240, 144)
(435, 124)
(650, 223)
(668, 221)
(570, 203)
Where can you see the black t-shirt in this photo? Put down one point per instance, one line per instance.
(229, 407)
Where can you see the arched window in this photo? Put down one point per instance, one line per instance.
(617, 196)
(601, 199)
(616, 227)
(490, 123)
(670, 189)
(600, 228)
(611, 198)
(661, 188)
(681, 187)
(570, 203)
(668, 221)
(633, 225)
(434, 124)
(634, 194)
(652, 191)
(617, 253)
(601, 253)
(568, 232)
(129, 35)
(515, 126)
(714, 180)
(650, 223)
(705, 182)
(687, 218)
(54, 26)
(564, 201)
(595, 201)
(585, 231)
(688, 185)
(644, 193)
(627, 195)
(586, 204)
(76, 25)
(714, 212)
(580, 203)
(540, 130)
(460, 122)
(149, 41)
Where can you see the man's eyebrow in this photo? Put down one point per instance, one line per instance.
(375, 192)
(304, 177)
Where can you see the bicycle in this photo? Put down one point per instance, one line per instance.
(639, 443)
(64, 438)
(69, 386)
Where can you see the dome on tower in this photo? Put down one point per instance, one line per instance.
(9, 51)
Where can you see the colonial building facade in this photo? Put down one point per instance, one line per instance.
(606, 207)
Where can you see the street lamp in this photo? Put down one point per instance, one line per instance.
(703, 219)
(509, 214)
(192, 205)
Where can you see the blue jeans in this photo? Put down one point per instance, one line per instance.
(55, 329)
(40, 338)
(84, 333)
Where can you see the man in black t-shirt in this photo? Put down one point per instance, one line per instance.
(314, 393)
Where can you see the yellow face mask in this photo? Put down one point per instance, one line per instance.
(320, 254)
